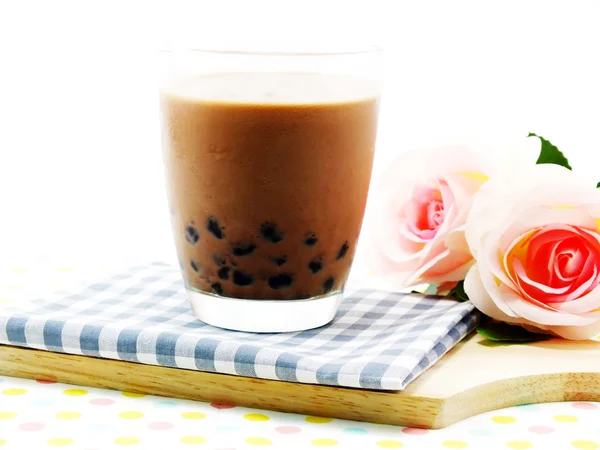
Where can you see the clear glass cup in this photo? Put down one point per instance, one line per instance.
(268, 159)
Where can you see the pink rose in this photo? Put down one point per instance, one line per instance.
(535, 237)
(418, 217)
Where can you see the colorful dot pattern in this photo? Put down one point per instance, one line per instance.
(36, 414)
(44, 414)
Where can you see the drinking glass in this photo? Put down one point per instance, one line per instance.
(268, 159)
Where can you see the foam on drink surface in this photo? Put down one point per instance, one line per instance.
(274, 88)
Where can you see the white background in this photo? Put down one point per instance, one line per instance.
(80, 161)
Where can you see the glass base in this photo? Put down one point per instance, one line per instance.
(264, 316)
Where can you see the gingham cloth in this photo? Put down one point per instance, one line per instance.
(378, 339)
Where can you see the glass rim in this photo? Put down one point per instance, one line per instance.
(370, 49)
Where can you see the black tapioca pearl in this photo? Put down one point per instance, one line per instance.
(310, 239)
(343, 251)
(242, 278)
(270, 233)
(280, 281)
(217, 288)
(191, 234)
(316, 265)
(195, 267)
(279, 260)
(243, 249)
(223, 273)
(218, 260)
(328, 285)
(214, 228)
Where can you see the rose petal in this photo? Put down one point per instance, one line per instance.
(412, 237)
(534, 217)
(418, 276)
(592, 239)
(572, 254)
(575, 261)
(516, 248)
(411, 168)
(581, 286)
(585, 304)
(456, 241)
(481, 299)
(552, 233)
(445, 267)
(463, 187)
(497, 269)
(542, 247)
(576, 333)
(433, 249)
(415, 212)
(492, 284)
(390, 241)
(483, 302)
(541, 289)
(537, 315)
(582, 289)
(510, 195)
(493, 260)
(555, 275)
(497, 281)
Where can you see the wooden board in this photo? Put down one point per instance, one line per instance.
(474, 377)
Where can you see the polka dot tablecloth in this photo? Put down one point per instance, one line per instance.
(39, 415)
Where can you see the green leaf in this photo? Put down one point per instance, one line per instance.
(459, 292)
(503, 332)
(550, 154)
(431, 289)
(598, 185)
(425, 289)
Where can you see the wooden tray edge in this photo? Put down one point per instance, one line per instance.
(393, 408)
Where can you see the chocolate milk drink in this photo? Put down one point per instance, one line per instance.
(267, 177)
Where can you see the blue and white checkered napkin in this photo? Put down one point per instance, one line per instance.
(378, 340)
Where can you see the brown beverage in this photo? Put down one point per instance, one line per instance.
(268, 176)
